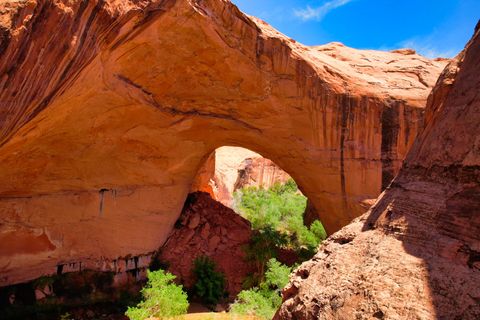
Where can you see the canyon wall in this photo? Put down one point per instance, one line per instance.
(259, 172)
(228, 169)
(416, 253)
(109, 108)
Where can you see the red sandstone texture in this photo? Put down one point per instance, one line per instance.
(228, 169)
(208, 228)
(259, 172)
(109, 108)
(416, 253)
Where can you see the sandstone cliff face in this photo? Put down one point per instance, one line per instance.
(416, 253)
(109, 108)
(207, 228)
(228, 169)
(259, 172)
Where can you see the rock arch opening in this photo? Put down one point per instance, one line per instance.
(229, 169)
(242, 211)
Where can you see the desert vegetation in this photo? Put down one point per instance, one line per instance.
(263, 300)
(276, 217)
(276, 214)
(161, 298)
(210, 283)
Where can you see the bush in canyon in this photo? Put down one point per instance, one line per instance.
(318, 230)
(263, 247)
(210, 284)
(161, 298)
(78, 284)
(271, 207)
(281, 208)
(264, 300)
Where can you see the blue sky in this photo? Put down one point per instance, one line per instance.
(432, 27)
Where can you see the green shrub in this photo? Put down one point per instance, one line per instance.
(277, 275)
(161, 298)
(210, 284)
(256, 302)
(272, 207)
(264, 300)
(318, 230)
(280, 209)
(263, 247)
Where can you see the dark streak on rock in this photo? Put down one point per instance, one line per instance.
(76, 60)
(5, 38)
(147, 19)
(345, 107)
(473, 257)
(102, 197)
(177, 112)
(38, 18)
(390, 129)
(82, 57)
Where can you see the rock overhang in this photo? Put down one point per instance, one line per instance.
(133, 96)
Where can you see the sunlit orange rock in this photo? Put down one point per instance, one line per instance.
(109, 108)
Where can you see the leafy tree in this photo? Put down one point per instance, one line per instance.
(162, 298)
(264, 300)
(272, 207)
(280, 209)
(263, 247)
(210, 284)
(277, 275)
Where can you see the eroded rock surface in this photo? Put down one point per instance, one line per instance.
(259, 172)
(416, 253)
(228, 169)
(109, 108)
(208, 228)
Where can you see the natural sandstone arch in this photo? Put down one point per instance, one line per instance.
(105, 125)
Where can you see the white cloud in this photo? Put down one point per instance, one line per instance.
(430, 46)
(427, 48)
(320, 12)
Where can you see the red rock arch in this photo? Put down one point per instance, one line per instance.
(105, 125)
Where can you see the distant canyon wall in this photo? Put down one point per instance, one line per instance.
(229, 169)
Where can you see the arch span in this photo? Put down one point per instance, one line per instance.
(103, 130)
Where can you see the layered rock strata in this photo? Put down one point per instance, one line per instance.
(109, 108)
(259, 172)
(416, 253)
